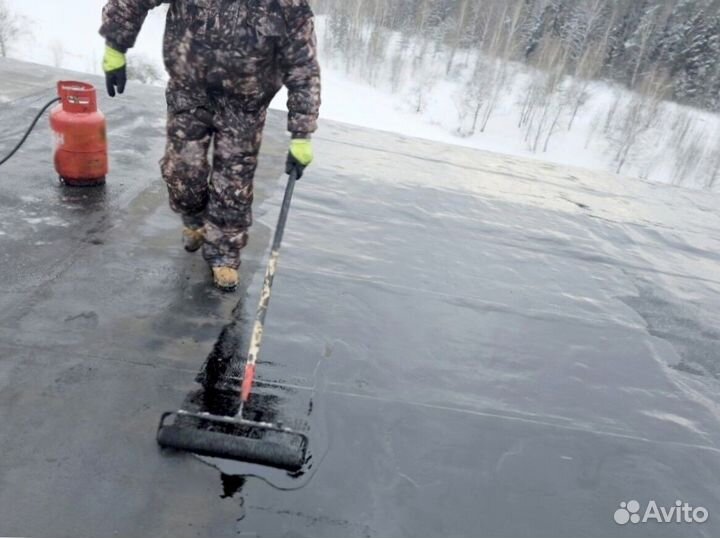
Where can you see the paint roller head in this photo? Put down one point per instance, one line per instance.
(281, 450)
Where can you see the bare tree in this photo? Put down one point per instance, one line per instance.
(58, 52)
(712, 158)
(376, 50)
(714, 168)
(590, 64)
(459, 29)
(10, 29)
(587, 70)
(546, 96)
(503, 45)
(690, 156)
(396, 69)
(683, 122)
(648, 26)
(421, 92)
(640, 115)
(473, 97)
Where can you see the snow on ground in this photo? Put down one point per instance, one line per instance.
(355, 102)
(359, 104)
(68, 38)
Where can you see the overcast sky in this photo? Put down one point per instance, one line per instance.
(74, 26)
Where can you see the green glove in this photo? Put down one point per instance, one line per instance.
(115, 67)
(302, 150)
(300, 156)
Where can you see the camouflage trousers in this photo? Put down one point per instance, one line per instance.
(209, 166)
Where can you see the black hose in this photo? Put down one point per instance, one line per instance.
(27, 133)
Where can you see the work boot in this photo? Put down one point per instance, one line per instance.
(193, 238)
(225, 278)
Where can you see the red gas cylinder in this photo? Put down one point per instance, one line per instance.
(81, 153)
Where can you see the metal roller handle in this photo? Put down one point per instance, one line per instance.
(259, 325)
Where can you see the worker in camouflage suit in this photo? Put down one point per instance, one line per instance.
(226, 60)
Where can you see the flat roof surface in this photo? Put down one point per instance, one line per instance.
(478, 345)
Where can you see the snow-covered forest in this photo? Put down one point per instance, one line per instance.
(642, 76)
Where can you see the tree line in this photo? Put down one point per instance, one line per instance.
(675, 43)
(548, 54)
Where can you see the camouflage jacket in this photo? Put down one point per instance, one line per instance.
(239, 50)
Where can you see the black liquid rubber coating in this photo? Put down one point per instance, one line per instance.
(220, 445)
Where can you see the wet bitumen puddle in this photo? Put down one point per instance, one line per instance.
(219, 382)
(474, 344)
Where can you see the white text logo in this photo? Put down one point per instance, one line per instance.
(680, 512)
